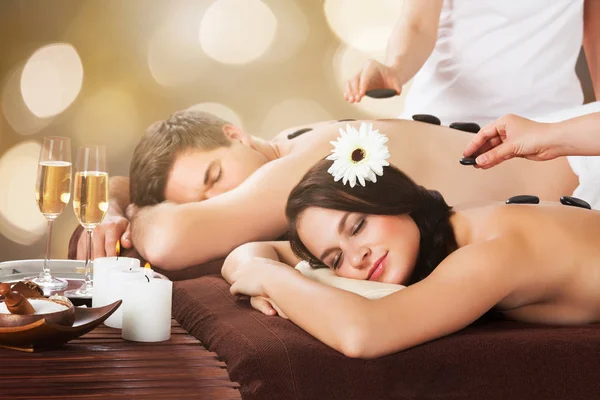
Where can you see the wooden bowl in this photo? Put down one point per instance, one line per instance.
(42, 334)
(64, 317)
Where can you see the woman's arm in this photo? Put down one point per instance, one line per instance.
(466, 285)
(245, 254)
(591, 41)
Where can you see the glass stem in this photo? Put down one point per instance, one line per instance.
(46, 269)
(88, 259)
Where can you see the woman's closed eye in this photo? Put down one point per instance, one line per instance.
(336, 261)
(358, 227)
(355, 231)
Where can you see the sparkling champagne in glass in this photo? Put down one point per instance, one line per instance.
(90, 202)
(52, 193)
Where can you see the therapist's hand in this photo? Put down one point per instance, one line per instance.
(374, 75)
(511, 136)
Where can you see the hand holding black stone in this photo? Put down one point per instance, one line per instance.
(381, 93)
(467, 161)
(523, 199)
(427, 118)
(575, 202)
(466, 126)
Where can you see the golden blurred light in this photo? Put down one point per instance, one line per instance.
(292, 112)
(220, 111)
(347, 62)
(237, 31)
(174, 54)
(292, 31)
(20, 217)
(16, 112)
(364, 27)
(51, 79)
(109, 117)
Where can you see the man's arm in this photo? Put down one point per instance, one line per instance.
(591, 41)
(174, 236)
(115, 224)
(118, 194)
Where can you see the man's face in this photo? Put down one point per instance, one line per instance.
(198, 174)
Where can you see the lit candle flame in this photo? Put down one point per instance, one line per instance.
(118, 248)
(147, 265)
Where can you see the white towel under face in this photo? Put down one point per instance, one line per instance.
(368, 289)
(586, 168)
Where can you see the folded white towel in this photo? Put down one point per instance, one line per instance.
(368, 289)
(586, 168)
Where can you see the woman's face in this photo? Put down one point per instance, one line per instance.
(381, 248)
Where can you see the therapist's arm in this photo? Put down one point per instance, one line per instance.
(414, 36)
(514, 136)
(591, 41)
(577, 136)
(410, 44)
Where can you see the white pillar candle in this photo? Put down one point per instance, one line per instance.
(147, 310)
(103, 267)
(116, 291)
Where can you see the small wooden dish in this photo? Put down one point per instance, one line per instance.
(64, 317)
(43, 334)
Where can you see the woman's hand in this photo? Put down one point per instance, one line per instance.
(374, 75)
(266, 306)
(250, 281)
(511, 136)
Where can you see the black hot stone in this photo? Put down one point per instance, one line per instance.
(575, 202)
(467, 161)
(428, 119)
(381, 93)
(299, 132)
(523, 199)
(344, 120)
(466, 126)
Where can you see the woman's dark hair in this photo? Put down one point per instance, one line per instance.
(394, 193)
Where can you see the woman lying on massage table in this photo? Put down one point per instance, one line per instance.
(533, 263)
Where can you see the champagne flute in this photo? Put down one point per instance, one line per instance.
(90, 202)
(53, 192)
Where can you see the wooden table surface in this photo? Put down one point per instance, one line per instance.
(101, 365)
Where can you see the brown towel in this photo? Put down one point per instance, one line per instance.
(273, 359)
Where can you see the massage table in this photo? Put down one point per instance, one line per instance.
(271, 358)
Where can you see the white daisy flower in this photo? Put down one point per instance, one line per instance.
(358, 155)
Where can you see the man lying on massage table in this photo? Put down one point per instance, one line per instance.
(532, 263)
(225, 187)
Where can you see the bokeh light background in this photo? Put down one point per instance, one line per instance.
(100, 71)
